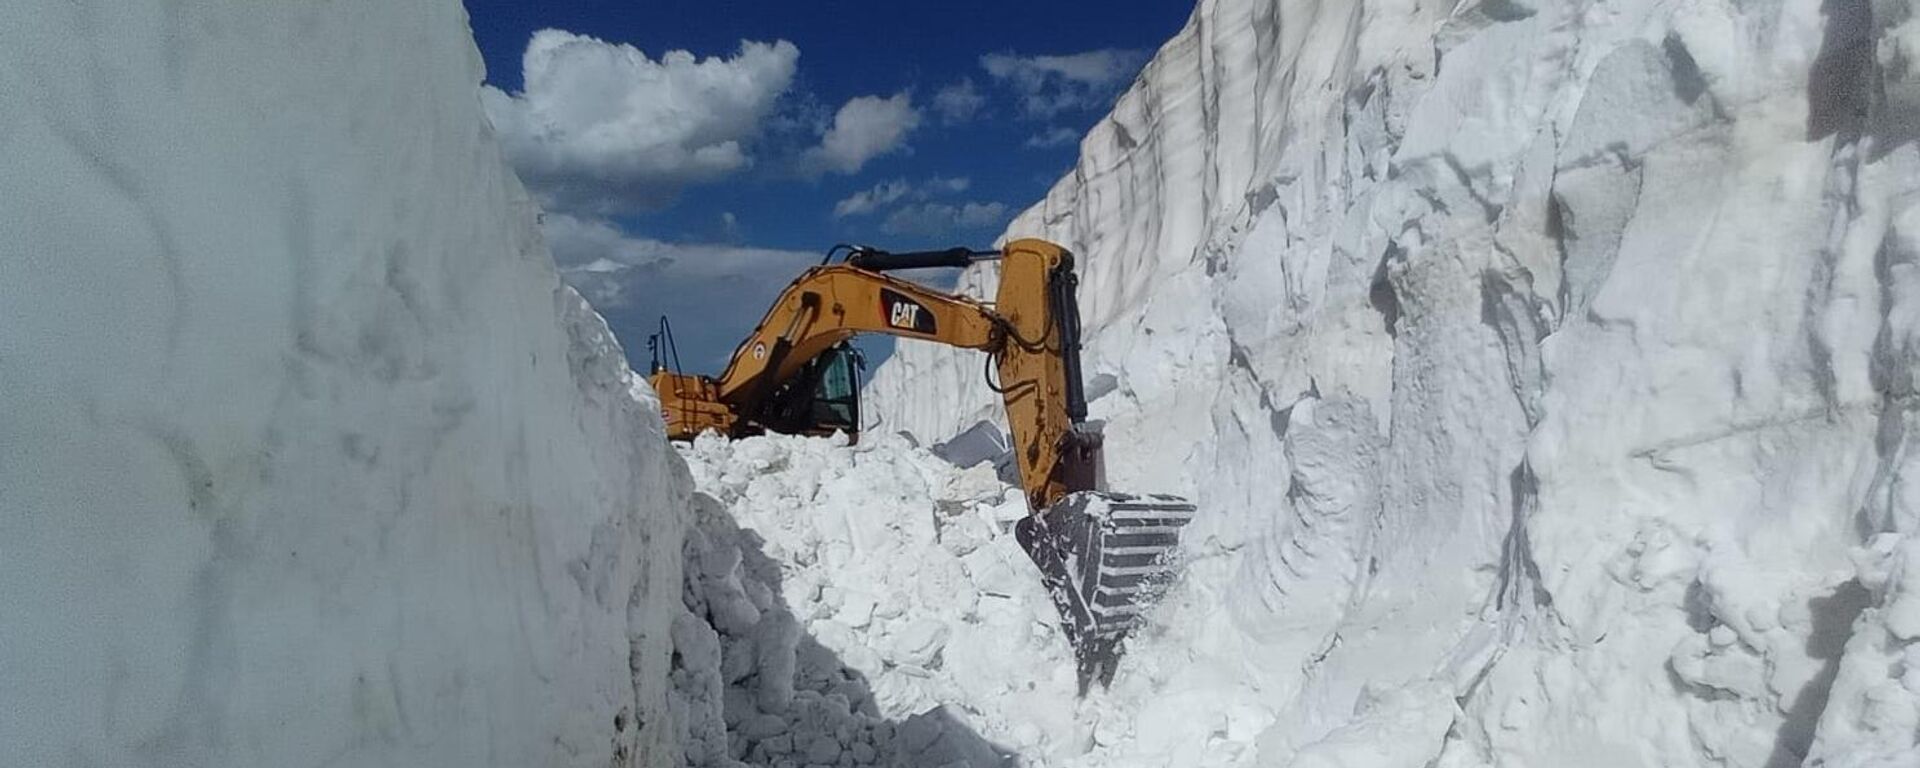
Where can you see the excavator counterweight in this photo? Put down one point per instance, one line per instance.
(1104, 557)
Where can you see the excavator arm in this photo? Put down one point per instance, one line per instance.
(1034, 348)
(1031, 333)
(830, 304)
(824, 307)
(1102, 555)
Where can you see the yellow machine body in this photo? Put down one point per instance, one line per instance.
(829, 304)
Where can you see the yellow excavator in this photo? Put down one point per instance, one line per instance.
(1103, 556)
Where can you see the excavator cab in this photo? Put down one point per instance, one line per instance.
(822, 399)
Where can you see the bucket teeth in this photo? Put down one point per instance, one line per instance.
(1105, 557)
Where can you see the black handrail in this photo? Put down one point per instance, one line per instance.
(661, 347)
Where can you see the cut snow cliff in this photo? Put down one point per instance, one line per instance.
(306, 457)
(1544, 373)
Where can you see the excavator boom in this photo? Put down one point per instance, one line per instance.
(1103, 556)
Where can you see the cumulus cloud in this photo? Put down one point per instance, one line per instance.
(1050, 85)
(887, 193)
(602, 128)
(959, 102)
(714, 292)
(865, 128)
(935, 219)
(1053, 137)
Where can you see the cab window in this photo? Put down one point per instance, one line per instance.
(836, 396)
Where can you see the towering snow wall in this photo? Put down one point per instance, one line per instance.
(1544, 373)
(306, 457)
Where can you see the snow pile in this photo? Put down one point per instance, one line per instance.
(306, 457)
(864, 606)
(1543, 372)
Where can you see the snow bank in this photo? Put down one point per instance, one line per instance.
(305, 454)
(1543, 373)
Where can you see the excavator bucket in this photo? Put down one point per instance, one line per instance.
(1105, 557)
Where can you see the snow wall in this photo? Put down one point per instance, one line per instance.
(306, 457)
(1544, 373)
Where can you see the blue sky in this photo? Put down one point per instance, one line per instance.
(695, 156)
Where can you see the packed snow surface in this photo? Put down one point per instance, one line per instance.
(306, 457)
(1544, 374)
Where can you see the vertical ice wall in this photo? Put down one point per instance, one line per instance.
(1544, 373)
(306, 457)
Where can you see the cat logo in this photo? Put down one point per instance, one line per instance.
(905, 313)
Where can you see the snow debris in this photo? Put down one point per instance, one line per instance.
(862, 606)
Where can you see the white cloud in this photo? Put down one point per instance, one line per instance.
(600, 127)
(582, 244)
(935, 219)
(959, 102)
(866, 127)
(715, 293)
(889, 192)
(1053, 137)
(869, 200)
(1049, 85)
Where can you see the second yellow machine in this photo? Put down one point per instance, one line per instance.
(1103, 556)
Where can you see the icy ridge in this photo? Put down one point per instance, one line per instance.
(1540, 370)
(306, 456)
